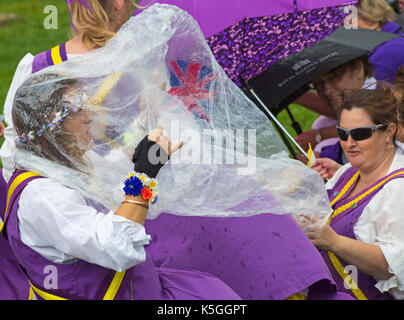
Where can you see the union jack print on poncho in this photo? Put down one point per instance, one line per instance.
(190, 82)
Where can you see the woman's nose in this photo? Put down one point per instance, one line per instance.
(87, 116)
(350, 141)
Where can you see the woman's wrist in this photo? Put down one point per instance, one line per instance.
(337, 244)
(136, 200)
(134, 209)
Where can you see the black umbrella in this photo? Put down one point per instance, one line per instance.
(288, 79)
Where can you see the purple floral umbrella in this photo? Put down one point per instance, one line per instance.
(251, 46)
(247, 37)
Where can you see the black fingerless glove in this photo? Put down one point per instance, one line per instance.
(149, 157)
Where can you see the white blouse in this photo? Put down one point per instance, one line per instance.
(382, 224)
(56, 222)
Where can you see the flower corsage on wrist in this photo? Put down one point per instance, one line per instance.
(140, 184)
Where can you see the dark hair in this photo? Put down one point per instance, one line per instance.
(380, 104)
(337, 73)
(35, 106)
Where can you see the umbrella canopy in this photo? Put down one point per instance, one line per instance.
(214, 16)
(289, 78)
(248, 37)
(251, 46)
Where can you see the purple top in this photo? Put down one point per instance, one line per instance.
(333, 152)
(44, 59)
(389, 56)
(347, 211)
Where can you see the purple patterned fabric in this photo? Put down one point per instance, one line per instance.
(214, 16)
(251, 46)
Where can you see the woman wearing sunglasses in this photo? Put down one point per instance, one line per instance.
(363, 242)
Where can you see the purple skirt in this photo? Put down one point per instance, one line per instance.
(261, 257)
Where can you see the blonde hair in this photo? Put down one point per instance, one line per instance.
(376, 11)
(96, 27)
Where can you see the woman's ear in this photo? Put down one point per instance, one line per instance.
(391, 133)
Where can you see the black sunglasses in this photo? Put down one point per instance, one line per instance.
(358, 134)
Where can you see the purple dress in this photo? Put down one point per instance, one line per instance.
(347, 211)
(13, 285)
(266, 256)
(261, 257)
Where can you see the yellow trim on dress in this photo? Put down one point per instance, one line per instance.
(45, 295)
(55, 54)
(335, 261)
(297, 296)
(116, 281)
(114, 286)
(19, 179)
(346, 277)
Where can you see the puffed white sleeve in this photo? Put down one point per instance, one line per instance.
(23, 71)
(56, 222)
(382, 224)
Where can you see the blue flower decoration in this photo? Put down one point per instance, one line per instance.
(155, 199)
(133, 186)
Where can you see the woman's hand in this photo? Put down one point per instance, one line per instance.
(153, 152)
(368, 258)
(326, 167)
(157, 136)
(324, 238)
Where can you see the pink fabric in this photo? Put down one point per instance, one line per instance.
(323, 122)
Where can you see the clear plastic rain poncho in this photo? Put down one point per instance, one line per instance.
(79, 122)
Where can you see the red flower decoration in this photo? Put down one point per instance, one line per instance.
(147, 194)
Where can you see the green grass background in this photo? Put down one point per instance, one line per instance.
(27, 34)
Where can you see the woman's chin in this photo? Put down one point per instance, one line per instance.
(355, 159)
